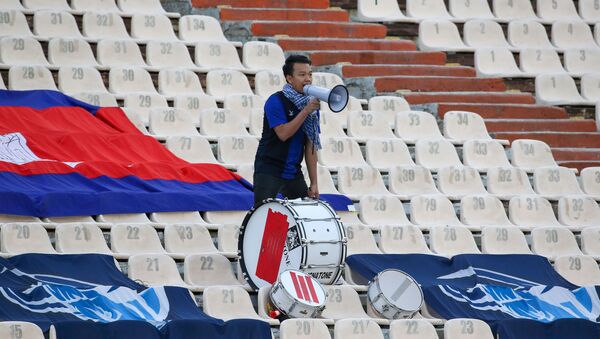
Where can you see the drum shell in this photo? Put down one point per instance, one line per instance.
(291, 307)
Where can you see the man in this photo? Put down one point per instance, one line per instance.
(290, 131)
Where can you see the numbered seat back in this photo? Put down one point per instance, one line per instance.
(343, 302)
(461, 126)
(25, 78)
(458, 181)
(143, 103)
(472, 9)
(528, 34)
(340, 152)
(529, 154)
(97, 99)
(208, 269)
(244, 104)
(552, 242)
(537, 61)
(356, 181)
(366, 125)
(402, 239)
(261, 55)
(71, 52)
(80, 238)
(436, 153)
(21, 51)
(267, 82)
(386, 154)
(20, 330)
(102, 24)
(54, 23)
(439, 35)
(200, 28)
(408, 181)
(382, 210)
(176, 81)
(557, 89)
(496, 61)
(360, 240)
(432, 210)
(76, 79)
(235, 150)
(217, 55)
(188, 239)
(14, 22)
(483, 210)
(464, 328)
(580, 270)
(152, 27)
(452, 240)
(481, 33)
(578, 211)
(428, 9)
(154, 270)
(388, 106)
(513, 10)
(221, 83)
(227, 239)
(171, 122)
(554, 182)
(124, 80)
(357, 329)
(412, 328)
(412, 126)
(303, 329)
(168, 54)
(557, 10)
(531, 211)
(194, 149)
(228, 302)
(503, 240)
(21, 238)
(221, 122)
(483, 155)
(195, 103)
(134, 239)
(382, 10)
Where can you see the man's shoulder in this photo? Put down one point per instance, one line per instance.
(274, 98)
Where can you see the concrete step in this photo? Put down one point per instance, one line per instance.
(303, 44)
(579, 165)
(509, 111)
(350, 71)
(322, 58)
(536, 125)
(556, 139)
(438, 84)
(576, 154)
(288, 14)
(319, 29)
(469, 97)
(315, 4)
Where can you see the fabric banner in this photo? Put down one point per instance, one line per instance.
(62, 157)
(86, 296)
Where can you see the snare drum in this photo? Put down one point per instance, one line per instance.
(394, 294)
(298, 295)
(279, 235)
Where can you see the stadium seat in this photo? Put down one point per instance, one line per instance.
(200, 28)
(530, 154)
(402, 239)
(55, 23)
(579, 61)
(557, 89)
(95, 6)
(208, 269)
(356, 181)
(458, 181)
(589, 10)
(247, 172)
(77, 219)
(124, 80)
(432, 210)
(152, 27)
(365, 125)
(388, 106)
(192, 217)
(126, 240)
(178, 81)
(349, 217)
(430, 9)
(416, 125)
(164, 54)
(103, 25)
(509, 10)
(37, 5)
(75, 79)
(440, 35)
(124, 218)
(154, 270)
(529, 211)
(268, 82)
(126, 53)
(506, 182)
(326, 184)
(166, 122)
(484, 154)
(460, 126)
(97, 99)
(225, 217)
(578, 211)
(581, 270)
(326, 80)
(20, 330)
(451, 240)
(434, 154)
(303, 329)
(554, 182)
(236, 150)
(528, 34)
(14, 23)
(379, 11)
(229, 302)
(13, 5)
(412, 328)
(590, 181)
(465, 328)
(551, 11)
(503, 240)
(136, 118)
(80, 238)
(330, 126)
(472, 9)
(21, 51)
(194, 103)
(344, 302)
(217, 55)
(142, 103)
(360, 240)
(597, 33)
(71, 52)
(25, 238)
(340, 152)
(483, 210)
(484, 33)
(553, 242)
(11, 218)
(30, 77)
(572, 34)
(496, 62)
(357, 329)
(227, 239)
(215, 123)
(590, 87)
(182, 240)
(408, 181)
(244, 104)
(385, 154)
(261, 55)
(540, 61)
(141, 6)
(590, 241)
(256, 122)
(377, 210)
(221, 83)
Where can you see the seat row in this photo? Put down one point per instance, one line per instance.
(461, 11)
(123, 7)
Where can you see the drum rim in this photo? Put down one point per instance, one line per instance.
(376, 280)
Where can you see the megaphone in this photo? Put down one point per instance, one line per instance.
(336, 98)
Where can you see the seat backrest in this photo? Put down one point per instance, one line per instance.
(581, 270)
(97, 99)
(360, 180)
(103, 25)
(439, 35)
(124, 53)
(191, 217)
(426, 9)
(416, 125)
(71, 52)
(503, 240)
(408, 181)
(142, 103)
(578, 211)
(154, 270)
(382, 210)
(74, 79)
(197, 28)
(30, 77)
(168, 54)
(340, 152)
(171, 122)
(513, 10)
(572, 34)
(483, 210)
(590, 86)
(553, 182)
(14, 23)
(123, 80)
(221, 122)
(261, 55)
(433, 154)
(46, 4)
(188, 239)
(451, 240)
(388, 106)
(152, 27)
(464, 328)
(360, 240)
(80, 238)
(217, 54)
(528, 34)
(458, 181)
(357, 329)
(20, 330)
(385, 154)
(590, 240)
(208, 269)
(496, 61)
(195, 103)
(244, 104)
(221, 83)
(326, 80)
(343, 302)
(20, 238)
(484, 154)
(95, 6)
(557, 10)
(484, 33)
(267, 82)
(531, 211)
(590, 180)
(412, 328)
(225, 217)
(21, 51)
(227, 239)
(135, 238)
(236, 150)
(529, 154)
(256, 122)
(378, 11)
(581, 61)
(558, 88)
(54, 23)
(227, 302)
(538, 61)
(589, 10)
(470, 9)
(326, 184)
(553, 241)
(141, 6)
(462, 126)
(303, 329)
(175, 81)
(330, 126)
(368, 125)
(432, 210)
(402, 239)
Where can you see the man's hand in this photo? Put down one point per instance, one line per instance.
(313, 105)
(313, 191)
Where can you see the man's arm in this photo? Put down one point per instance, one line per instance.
(310, 156)
(287, 130)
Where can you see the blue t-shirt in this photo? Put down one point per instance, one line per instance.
(276, 157)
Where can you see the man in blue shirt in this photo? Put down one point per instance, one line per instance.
(290, 132)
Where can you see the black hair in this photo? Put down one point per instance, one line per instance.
(288, 67)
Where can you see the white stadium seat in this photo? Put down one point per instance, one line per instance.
(343, 302)
(452, 240)
(14, 23)
(509, 10)
(126, 239)
(430, 9)
(103, 25)
(30, 77)
(365, 125)
(268, 82)
(357, 329)
(217, 55)
(234, 151)
(208, 269)
(192, 217)
(21, 51)
(80, 238)
(166, 122)
(164, 54)
(229, 302)
(554, 182)
(49, 24)
(80, 79)
(326, 184)
(496, 62)
(194, 103)
(551, 11)
(46, 4)
(388, 106)
(141, 6)
(20, 330)
(578, 211)
(557, 89)
(506, 182)
(503, 240)
(124, 80)
(95, 5)
(589, 10)
(432, 210)
(408, 181)
(327, 80)
(529, 211)
(356, 181)
(484, 154)
(215, 123)
(440, 35)
(590, 181)
(590, 87)
(227, 240)
(261, 55)
(484, 33)
(385, 154)
(124, 218)
(378, 210)
(416, 125)
(225, 217)
(581, 270)
(528, 34)
(71, 52)
(244, 104)
(360, 240)
(179, 81)
(465, 328)
(152, 27)
(380, 11)
(330, 126)
(221, 83)
(142, 103)
(579, 61)
(540, 61)
(97, 99)
(472, 9)
(458, 181)
(553, 242)
(303, 329)
(530, 154)
(402, 239)
(483, 210)
(412, 328)
(572, 34)
(19, 238)
(434, 154)
(200, 28)
(12, 5)
(460, 126)
(182, 240)
(124, 53)
(340, 152)
(590, 241)
(72, 219)
(154, 270)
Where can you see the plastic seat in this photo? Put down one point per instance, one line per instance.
(452, 240)
(247, 172)
(365, 125)
(326, 184)
(343, 302)
(303, 329)
(465, 328)
(136, 119)
(360, 240)
(528, 34)
(200, 28)
(21, 51)
(460, 126)
(572, 34)
(261, 55)
(154, 270)
(46, 4)
(152, 27)
(208, 269)
(80, 238)
(11, 218)
(194, 149)
(412, 328)
(326, 80)
(530, 154)
(225, 217)
(590, 87)
(217, 55)
(229, 302)
(71, 52)
(166, 122)
(124, 53)
(12, 5)
(78, 79)
(191, 217)
(402, 239)
(163, 54)
(434, 154)
(194, 103)
(552, 11)
(268, 82)
(578, 211)
(77, 219)
(25, 238)
(176, 81)
(483, 210)
(408, 181)
(377, 210)
(554, 182)
(416, 125)
(182, 240)
(356, 181)
(103, 24)
(141, 6)
(440, 35)
(142, 103)
(484, 33)
(124, 218)
(589, 10)
(388, 106)
(430, 9)
(381, 11)
(590, 241)
(20, 330)
(49, 24)
(496, 62)
(385, 154)
(529, 211)
(357, 329)
(553, 242)
(95, 6)
(227, 239)
(30, 77)
(14, 23)
(330, 126)
(124, 80)
(581, 61)
(557, 89)
(96, 99)
(597, 33)
(540, 61)
(513, 10)
(243, 104)
(484, 154)
(473, 9)
(507, 182)
(236, 150)
(581, 270)
(590, 181)
(503, 240)
(126, 239)
(221, 83)
(340, 152)
(215, 123)
(432, 210)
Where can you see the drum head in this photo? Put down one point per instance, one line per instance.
(303, 288)
(400, 289)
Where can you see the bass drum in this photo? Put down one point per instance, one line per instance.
(280, 235)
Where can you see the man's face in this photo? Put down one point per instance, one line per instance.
(301, 76)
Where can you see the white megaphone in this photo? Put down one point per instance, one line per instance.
(336, 98)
